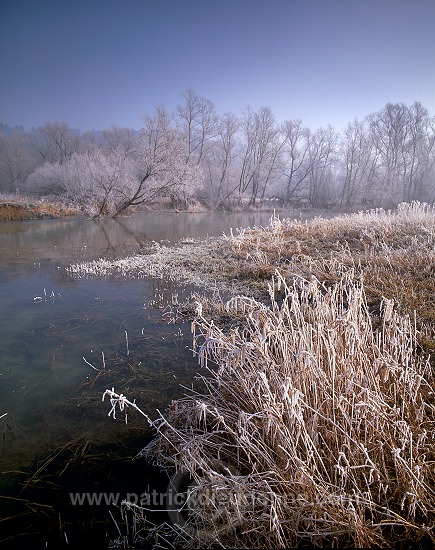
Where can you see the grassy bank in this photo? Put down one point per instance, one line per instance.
(393, 252)
(317, 426)
(13, 208)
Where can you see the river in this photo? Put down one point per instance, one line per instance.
(63, 341)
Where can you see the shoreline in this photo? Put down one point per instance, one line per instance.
(22, 211)
(35, 209)
(390, 251)
(335, 357)
(324, 263)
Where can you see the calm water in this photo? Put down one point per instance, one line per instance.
(52, 326)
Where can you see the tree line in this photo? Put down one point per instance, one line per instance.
(223, 161)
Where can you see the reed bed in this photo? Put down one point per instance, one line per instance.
(316, 427)
(317, 423)
(394, 251)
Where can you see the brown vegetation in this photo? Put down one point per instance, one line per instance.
(13, 210)
(393, 252)
(317, 425)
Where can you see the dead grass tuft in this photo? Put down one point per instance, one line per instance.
(317, 427)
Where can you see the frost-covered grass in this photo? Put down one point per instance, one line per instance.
(199, 263)
(393, 251)
(317, 426)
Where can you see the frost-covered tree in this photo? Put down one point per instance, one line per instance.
(403, 138)
(161, 167)
(321, 156)
(357, 161)
(198, 123)
(262, 147)
(128, 171)
(17, 161)
(419, 156)
(296, 167)
(220, 165)
(91, 180)
(388, 157)
(55, 142)
(117, 139)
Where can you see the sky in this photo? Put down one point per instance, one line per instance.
(94, 63)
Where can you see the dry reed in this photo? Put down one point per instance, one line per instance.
(317, 427)
(393, 250)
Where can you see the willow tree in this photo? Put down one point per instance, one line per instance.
(161, 167)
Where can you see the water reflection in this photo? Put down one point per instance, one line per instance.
(50, 321)
(25, 243)
(54, 327)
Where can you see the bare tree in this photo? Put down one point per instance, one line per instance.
(321, 153)
(296, 166)
(117, 140)
(358, 160)
(262, 147)
(198, 121)
(107, 175)
(424, 182)
(161, 166)
(385, 159)
(55, 142)
(89, 180)
(220, 163)
(418, 155)
(389, 131)
(403, 138)
(128, 171)
(16, 161)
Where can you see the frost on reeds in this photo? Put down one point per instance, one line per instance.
(371, 223)
(379, 221)
(317, 426)
(393, 250)
(196, 262)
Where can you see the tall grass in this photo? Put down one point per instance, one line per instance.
(317, 426)
(393, 250)
(317, 423)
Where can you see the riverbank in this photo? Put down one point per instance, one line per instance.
(392, 251)
(20, 208)
(16, 210)
(317, 423)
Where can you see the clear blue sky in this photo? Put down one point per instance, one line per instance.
(93, 63)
